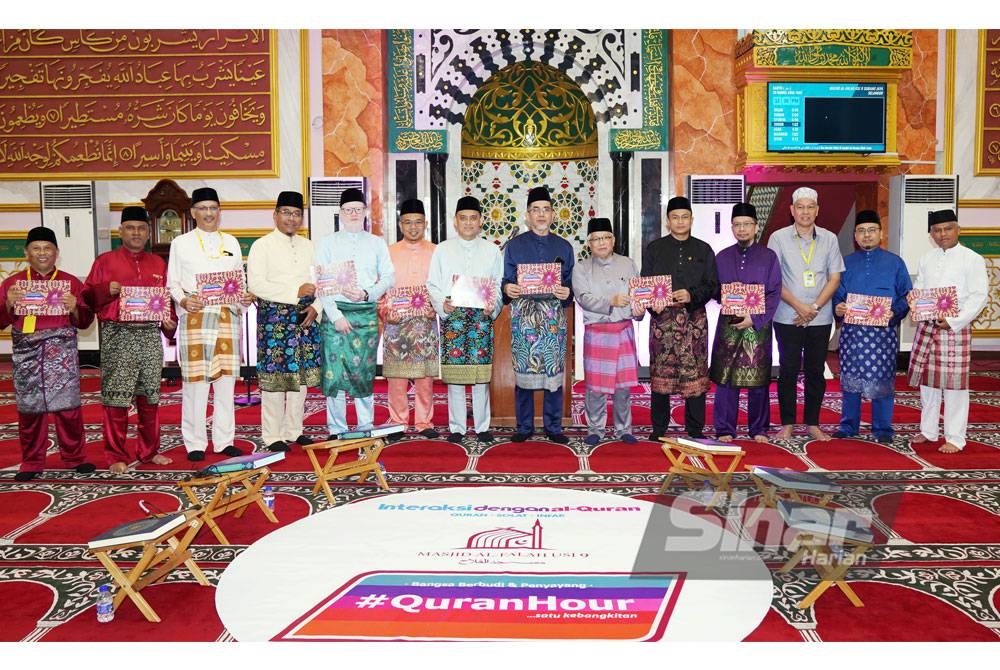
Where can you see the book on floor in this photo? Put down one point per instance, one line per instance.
(141, 530)
(708, 444)
(377, 431)
(833, 523)
(244, 462)
(795, 479)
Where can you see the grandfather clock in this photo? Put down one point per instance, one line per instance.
(169, 208)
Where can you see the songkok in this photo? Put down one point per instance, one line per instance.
(867, 216)
(941, 216)
(352, 195)
(204, 193)
(539, 193)
(678, 202)
(41, 234)
(411, 206)
(289, 199)
(468, 202)
(804, 192)
(599, 225)
(744, 209)
(133, 213)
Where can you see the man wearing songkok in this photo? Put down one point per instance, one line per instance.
(46, 363)
(678, 334)
(600, 284)
(939, 362)
(349, 328)
(538, 323)
(288, 343)
(208, 336)
(131, 351)
(868, 352)
(810, 272)
(410, 344)
(741, 354)
(466, 332)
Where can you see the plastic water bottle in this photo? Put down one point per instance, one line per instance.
(269, 497)
(706, 493)
(105, 605)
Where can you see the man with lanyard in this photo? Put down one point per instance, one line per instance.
(610, 364)
(466, 332)
(349, 328)
(46, 363)
(678, 334)
(810, 272)
(131, 351)
(208, 336)
(410, 345)
(939, 362)
(288, 343)
(741, 355)
(868, 353)
(538, 323)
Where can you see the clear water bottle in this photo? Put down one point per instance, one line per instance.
(105, 604)
(269, 497)
(706, 493)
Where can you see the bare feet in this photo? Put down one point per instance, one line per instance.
(949, 448)
(919, 439)
(160, 459)
(725, 438)
(119, 468)
(817, 434)
(785, 433)
(760, 438)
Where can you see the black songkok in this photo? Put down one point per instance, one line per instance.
(599, 225)
(539, 193)
(744, 209)
(204, 193)
(290, 199)
(678, 202)
(468, 202)
(41, 234)
(411, 206)
(133, 213)
(867, 216)
(941, 216)
(352, 195)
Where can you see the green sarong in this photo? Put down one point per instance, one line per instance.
(349, 360)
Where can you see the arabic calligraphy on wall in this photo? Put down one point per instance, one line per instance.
(121, 103)
(988, 110)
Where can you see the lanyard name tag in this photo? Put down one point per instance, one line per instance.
(29, 324)
(809, 279)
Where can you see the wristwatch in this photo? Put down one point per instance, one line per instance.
(366, 297)
(815, 307)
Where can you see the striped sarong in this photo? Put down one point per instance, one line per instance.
(349, 360)
(538, 343)
(940, 358)
(209, 344)
(609, 357)
(131, 362)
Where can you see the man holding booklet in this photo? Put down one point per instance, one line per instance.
(205, 277)
(44, 307)
(410, 340)
(126, 288)
(942, 345)
(871, 299)
(464, 286)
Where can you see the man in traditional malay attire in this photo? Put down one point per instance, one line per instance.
(466, 332)
(942, 349)
(208, 336)
(600, 284)
(45, 360)
(131, 351)
(288, 343)
(868, 353)
(410, 344)
(349, 328)
(810, 272)
(741, 354)
(538, 323)
(678, 334)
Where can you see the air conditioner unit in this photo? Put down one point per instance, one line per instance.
(712, 199)
(324, 203)
(911, 199)
(79, 215)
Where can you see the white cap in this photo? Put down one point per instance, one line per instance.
(805, 193)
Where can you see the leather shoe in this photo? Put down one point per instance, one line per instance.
(430, 433)
(332, 436)
(231, 451)
(840, 435)
(884, 439)
(485, 436)
(520, 437)
(26, 476)
(628, 438)
(455, 438)
(196, 455)
(558, 438)
(84, 468)
(655, 437)
(280, 445)
(303, 440)
(592, 440)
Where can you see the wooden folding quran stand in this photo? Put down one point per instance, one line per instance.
(781, 484)
(223, 501)
(159, 556)
(369, 449)
(833, 539)
(697, 463)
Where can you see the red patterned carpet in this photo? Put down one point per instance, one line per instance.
(934, 574)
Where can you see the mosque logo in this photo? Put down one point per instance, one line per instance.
(507, 538)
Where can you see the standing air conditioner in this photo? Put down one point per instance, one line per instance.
(78, 213)
(324, 203)
(911, 199)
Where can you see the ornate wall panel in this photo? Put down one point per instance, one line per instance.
(988, 107)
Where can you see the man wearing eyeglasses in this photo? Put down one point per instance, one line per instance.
(600, 284)
(678, 333)
(538, 323)
(208, 336)
(288, 342)
(349, 326)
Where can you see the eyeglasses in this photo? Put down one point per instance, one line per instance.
(352, 211)
(602, 238)
(291, 213)
(744, 224)
(206, 208)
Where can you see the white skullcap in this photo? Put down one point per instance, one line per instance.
(805, 192)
